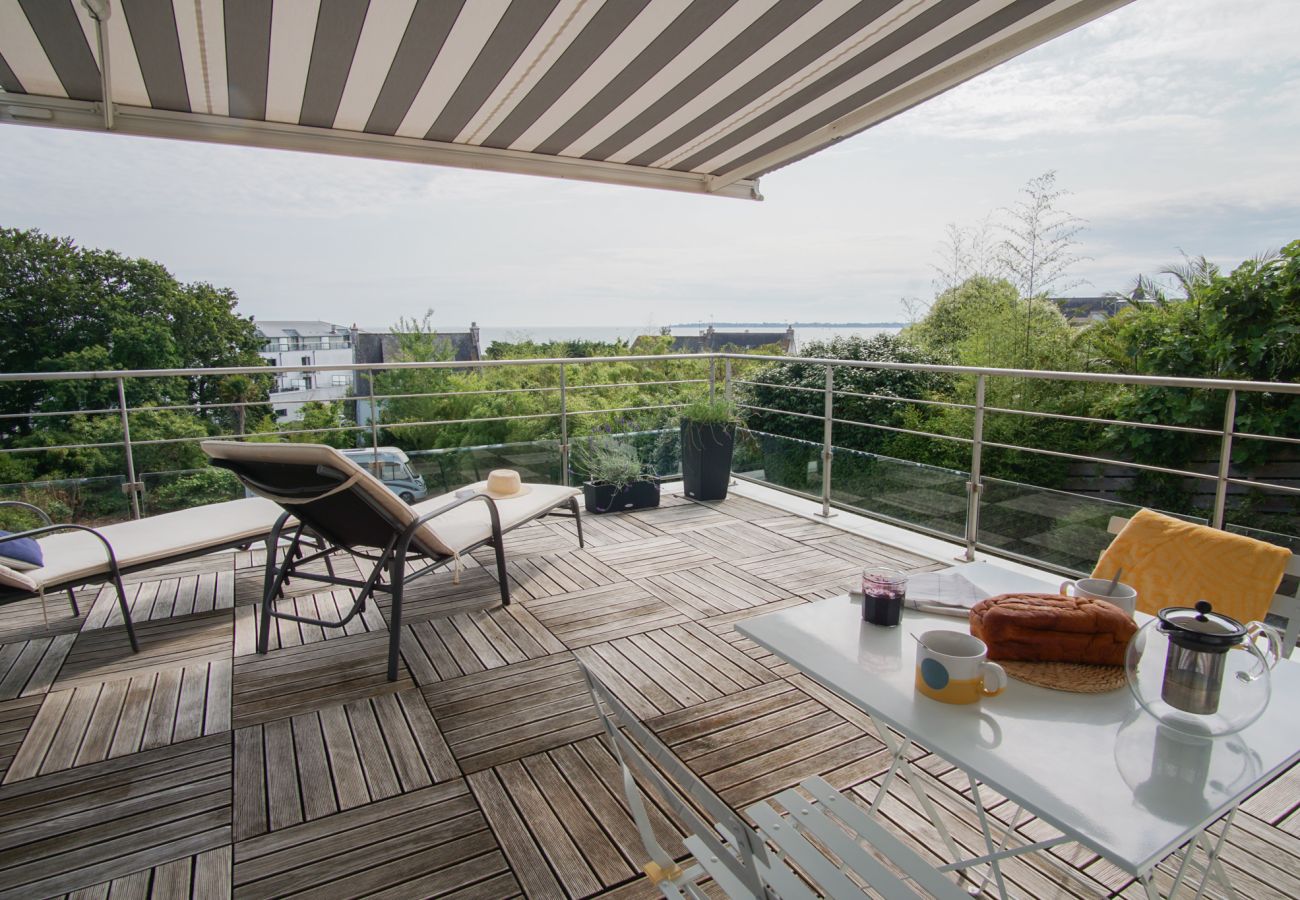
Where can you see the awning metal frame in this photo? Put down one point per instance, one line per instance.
(86, 115)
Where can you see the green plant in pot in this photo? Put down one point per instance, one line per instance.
(615, 478)
(708, 440)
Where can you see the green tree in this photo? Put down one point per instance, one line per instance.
(65, 308)
(323, 415)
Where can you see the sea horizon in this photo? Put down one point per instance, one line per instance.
(629, 333)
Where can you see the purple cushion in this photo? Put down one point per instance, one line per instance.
(20, 554)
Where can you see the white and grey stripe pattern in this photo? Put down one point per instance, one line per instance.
(721, 89)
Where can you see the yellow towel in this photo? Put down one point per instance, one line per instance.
(1174, 563)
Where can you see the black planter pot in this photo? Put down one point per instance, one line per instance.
(604, 498)
(706, 460)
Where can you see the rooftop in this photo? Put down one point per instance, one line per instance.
(199, 766)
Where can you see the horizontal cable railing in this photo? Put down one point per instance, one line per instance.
(558, 391)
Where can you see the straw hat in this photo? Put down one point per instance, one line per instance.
(502, 484)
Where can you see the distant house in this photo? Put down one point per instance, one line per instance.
(305, 343)
(1086, 310)
(314, 343)
(712, 341)
(383, 347)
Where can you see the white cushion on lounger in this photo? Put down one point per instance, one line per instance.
(70, 555)
(470, 523)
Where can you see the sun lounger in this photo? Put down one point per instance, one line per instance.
(78, 554)
(348, 510)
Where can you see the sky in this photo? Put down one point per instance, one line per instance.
(1172, 123)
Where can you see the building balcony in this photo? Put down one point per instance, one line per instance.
(482, 770)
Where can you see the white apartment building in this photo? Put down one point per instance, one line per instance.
(304, 343)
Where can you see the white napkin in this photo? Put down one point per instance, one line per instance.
(948, 593)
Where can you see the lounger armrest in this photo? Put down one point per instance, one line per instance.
(44, 516)
(51, 529)
(409, 532)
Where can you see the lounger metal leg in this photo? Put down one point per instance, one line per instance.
(126, 609)
(395, 613)
(72, 598)
(577, 519)
(499, 545)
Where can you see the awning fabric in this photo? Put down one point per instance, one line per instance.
(694, 95)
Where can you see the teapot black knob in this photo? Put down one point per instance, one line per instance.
(1202, 607)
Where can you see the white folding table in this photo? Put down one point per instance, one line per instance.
(1096, 767)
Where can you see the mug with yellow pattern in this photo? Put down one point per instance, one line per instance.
(952, 667)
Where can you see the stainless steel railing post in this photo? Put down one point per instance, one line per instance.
(564, 427)
(727, 390)
(975, 486)
(828, 424)
(713, 378)
(1225, 460)
(374, 423)
(132, 487)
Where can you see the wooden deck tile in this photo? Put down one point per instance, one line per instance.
(797, 527)
(164, 598)
(684, 517)
(16, 716)
(559, 573)
(29, 667)
(95, 823)
(672, 668)
(300, 679)
(250, 580)
(23, 620)
(750, 745)
(290, 771)
(430, 842)
(603, 530)
(713, 590)
(105, 654)
(330, 606)
(738, 540)
(657, 556)
(438, 594)
(805, 571)
(97, 721)
(862, 552)
(205, 874)
(465, 643)
(514, 711)
(742, 508)
(532, 539)
(603, 613)
(563, 822)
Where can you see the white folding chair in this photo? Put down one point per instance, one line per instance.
(737, 857)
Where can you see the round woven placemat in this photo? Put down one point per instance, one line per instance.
(1077, 678)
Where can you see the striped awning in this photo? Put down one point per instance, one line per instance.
(694, 95)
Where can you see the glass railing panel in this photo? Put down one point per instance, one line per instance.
(85, 501)
(927, 497)
(446, 470)
(184, 489)
(780, 461)
(1064, 529)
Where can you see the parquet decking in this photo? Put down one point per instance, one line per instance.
(201, 768)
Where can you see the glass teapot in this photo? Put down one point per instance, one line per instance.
(1202, 672)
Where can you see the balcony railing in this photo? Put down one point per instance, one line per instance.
(946, 502)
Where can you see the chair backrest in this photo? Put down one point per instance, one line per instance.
(642, 755)
(1286, 602)
(326, 491)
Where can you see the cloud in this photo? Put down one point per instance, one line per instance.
(1176, 68)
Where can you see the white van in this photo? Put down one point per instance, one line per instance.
(392, 466)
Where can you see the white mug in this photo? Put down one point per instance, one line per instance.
(1125, 597)
(952, 667)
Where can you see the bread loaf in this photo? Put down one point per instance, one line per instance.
(1052, 628)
